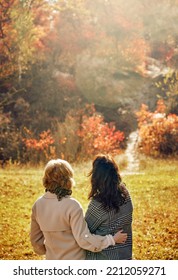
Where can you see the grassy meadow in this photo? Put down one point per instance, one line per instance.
(154, 191)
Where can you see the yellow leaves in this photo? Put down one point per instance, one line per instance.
(20, 35)
(169, 85)
(154, 226)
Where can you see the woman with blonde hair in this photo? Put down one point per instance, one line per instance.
(58, 228)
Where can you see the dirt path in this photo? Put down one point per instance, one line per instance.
(131, 154)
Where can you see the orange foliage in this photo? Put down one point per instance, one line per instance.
(42, 147)
(41, 144)
(99, 136)
(161, 107)
(21, 34)
(158, 132)
(136, 51)
(144, 116)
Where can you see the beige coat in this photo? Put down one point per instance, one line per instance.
(58, 229)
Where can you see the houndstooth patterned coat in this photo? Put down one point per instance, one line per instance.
(101, 221)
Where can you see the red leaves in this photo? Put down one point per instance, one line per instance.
(44, 141)
(99, 136)
(39, 149)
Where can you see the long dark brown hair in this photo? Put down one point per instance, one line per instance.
(106, 183)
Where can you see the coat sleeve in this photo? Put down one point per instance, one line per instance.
(36, 235)
(83, 236)
(93, 217)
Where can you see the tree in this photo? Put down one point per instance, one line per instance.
(19, 37)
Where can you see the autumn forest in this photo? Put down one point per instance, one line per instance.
(76, 77)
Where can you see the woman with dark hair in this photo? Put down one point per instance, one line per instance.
(110, 208)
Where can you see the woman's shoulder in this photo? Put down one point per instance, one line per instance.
(124, 190)
(97, 206)
(95, 209)
(95, 202)
(72, 201)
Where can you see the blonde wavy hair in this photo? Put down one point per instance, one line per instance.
(58, 177)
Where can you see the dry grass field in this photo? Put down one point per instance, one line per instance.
(154, 191)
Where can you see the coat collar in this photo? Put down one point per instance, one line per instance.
(50, 195)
